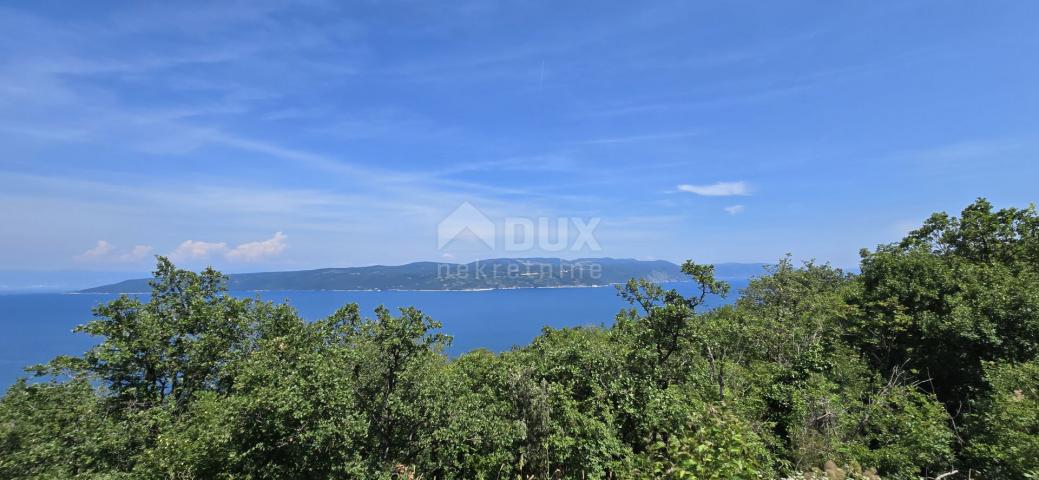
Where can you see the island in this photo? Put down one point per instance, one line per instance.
(498, 273)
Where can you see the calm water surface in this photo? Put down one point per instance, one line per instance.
(37, 327)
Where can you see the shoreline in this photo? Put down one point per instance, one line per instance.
(554, 287)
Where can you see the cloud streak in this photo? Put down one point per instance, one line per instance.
(638, 138)
(718, 189)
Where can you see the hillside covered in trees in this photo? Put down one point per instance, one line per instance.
(923, 364)
(483, 274)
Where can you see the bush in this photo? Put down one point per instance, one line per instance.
(1006, 442)
(712, 444)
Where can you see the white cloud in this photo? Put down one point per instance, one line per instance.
(101, 250)
(189, 250)
(734, 209)
(138, 253)
(253, 251)
(247, 252)
(719, 189)
(196, 250)
(106, 252)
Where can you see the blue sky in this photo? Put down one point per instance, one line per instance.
(258, 135)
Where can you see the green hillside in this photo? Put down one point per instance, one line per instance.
(483, 274)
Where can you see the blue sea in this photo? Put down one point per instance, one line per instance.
(37, 327)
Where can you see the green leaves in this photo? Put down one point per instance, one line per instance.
(710, 444)
(1005, 426)
(924, 362)
(703, 275)
(953, 294)
(171, 347)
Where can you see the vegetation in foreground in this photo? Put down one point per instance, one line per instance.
(922, 364)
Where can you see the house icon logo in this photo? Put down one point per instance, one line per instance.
(466, 222)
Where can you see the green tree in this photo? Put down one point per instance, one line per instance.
(711, 444)
(168, 348)
(1004, 437)
(924, 362)
(953, 294)
(64, 430)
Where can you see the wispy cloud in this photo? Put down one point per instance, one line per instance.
(105, 252)
(752, 90)
(101, 250)
(719, 189)
(637, 138)
(962, 151)
(128, 106)
(546, 162)
(222, 123)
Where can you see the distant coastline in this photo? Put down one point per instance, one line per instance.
(605, 285)
(483, 275)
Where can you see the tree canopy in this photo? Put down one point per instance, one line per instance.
(923, 364)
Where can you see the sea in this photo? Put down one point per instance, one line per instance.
(36, 327)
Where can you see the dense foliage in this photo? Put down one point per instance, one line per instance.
(924, 363)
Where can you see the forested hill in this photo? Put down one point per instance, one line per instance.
(483, 274)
